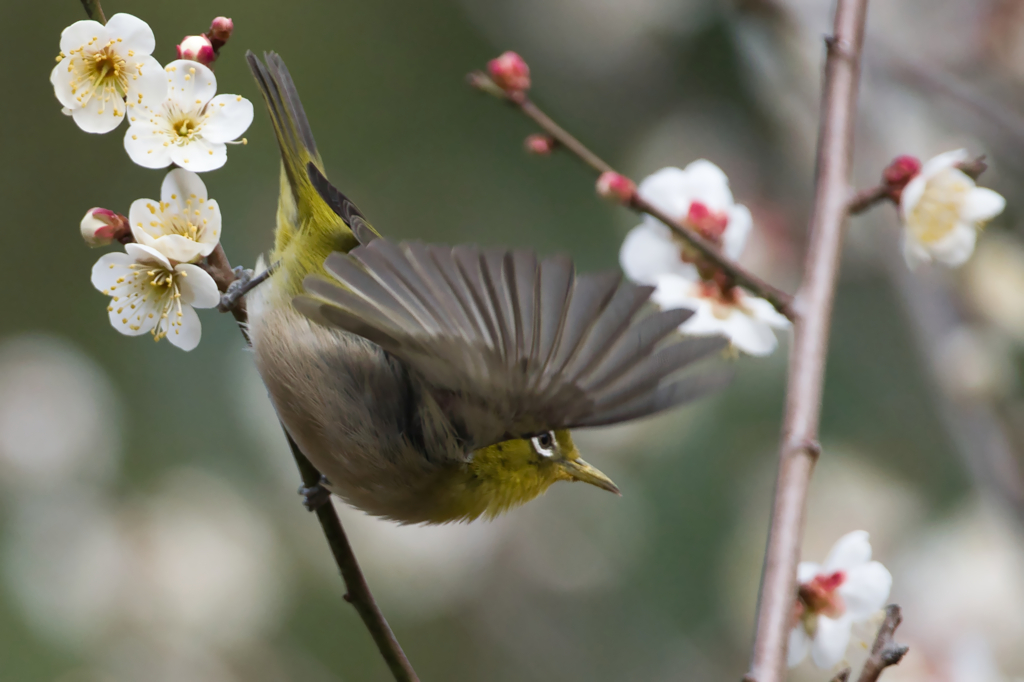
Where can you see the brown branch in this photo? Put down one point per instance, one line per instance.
(94, 11)
(782, 301)
(843, 675)
(885, 651)
(799, 450)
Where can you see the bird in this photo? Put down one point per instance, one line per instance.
(433, 384)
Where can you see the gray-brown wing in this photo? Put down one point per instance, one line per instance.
(512, 345)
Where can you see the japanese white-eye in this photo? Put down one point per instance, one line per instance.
(435, 384)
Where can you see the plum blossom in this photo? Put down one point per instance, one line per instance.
(150, 294)
(102, 66)
(697, 195)
(184, 225)
(746, 320)
(942, 210)
(848, 588)
(101, 227)
(192, 126)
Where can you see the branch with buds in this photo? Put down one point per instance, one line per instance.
(885, 651)
(508, 78)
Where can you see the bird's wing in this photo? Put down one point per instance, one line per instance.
(511, 345)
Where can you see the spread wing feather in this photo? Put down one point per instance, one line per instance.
(514, 345)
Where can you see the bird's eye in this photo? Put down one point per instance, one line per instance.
(544, 444)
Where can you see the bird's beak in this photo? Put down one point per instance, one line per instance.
(578, 470)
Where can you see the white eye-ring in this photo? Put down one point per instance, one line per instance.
(544, 444)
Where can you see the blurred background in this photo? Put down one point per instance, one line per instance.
(149, 526)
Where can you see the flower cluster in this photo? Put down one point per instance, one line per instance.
(699, 197)
(847, 588)
(106, 73)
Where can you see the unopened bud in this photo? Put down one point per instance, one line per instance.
(198, 49)
(221, 29)
(540, 144)
(901, 171)
(101, 226)
(615, 187)
(510, 72)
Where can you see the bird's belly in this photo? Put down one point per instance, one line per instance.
(346, 404)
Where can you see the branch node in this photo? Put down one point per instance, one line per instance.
(839, 47)
(885, 651)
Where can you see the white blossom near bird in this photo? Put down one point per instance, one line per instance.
(192, 126)
(105, 70)
(184, 225)
(149, 294)
(730, 311)
(847, 588)
(699, 196)
(942, 210)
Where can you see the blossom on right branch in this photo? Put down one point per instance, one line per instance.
(942, 209)
(848, 588)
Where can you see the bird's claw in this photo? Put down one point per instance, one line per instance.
(315, 496)
(236, 290)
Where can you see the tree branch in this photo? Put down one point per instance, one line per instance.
(94, 11)
(885, 651)
(799, 449)
(782, 301)
(843, 675)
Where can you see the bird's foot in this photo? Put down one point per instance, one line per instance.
(243, 284)
(315, 496)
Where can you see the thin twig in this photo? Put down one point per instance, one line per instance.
(843, 675)
(94, 11)
(782, 301)
(799, 449)
(885, 651)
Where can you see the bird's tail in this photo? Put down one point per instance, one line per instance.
(308, 229)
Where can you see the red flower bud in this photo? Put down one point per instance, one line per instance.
(901, 171)
(221, 29)
(510, 72)
(101, 227)
(540, 144)
(198, 49)
(615, 187)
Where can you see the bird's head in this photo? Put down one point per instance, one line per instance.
(515, 471)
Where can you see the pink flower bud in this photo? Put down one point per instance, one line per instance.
(901, 171)
(101, 227)
(615, 187)
(510, 72)
(198, 49)
(540, 144)
(221, 29)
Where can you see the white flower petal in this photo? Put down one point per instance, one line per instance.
(648, 252)
(190, 84)
(736, 232)
(912, 194)
(109, 268)
(830, 641)
(913, 253)
(147, 254)
(675, 291)
(131, 322)
(135, 34)
(664, 189)
(197, 287)
(176, 247)
(200, 155)
(81, 33)
(186, 330)
(145, 144)
(140, 216)
(849, 552)
(148, 87)
(865, 590)
(982, 205)
(806, 570)
(764, 311)
(101, 114)
(939, 163)
(708, 184)
(229, 117)
(956, 247)
(799, 646)
(751, 336)
(60, 78)
(180, 186)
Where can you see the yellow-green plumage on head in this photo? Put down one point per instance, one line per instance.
(435, 384)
